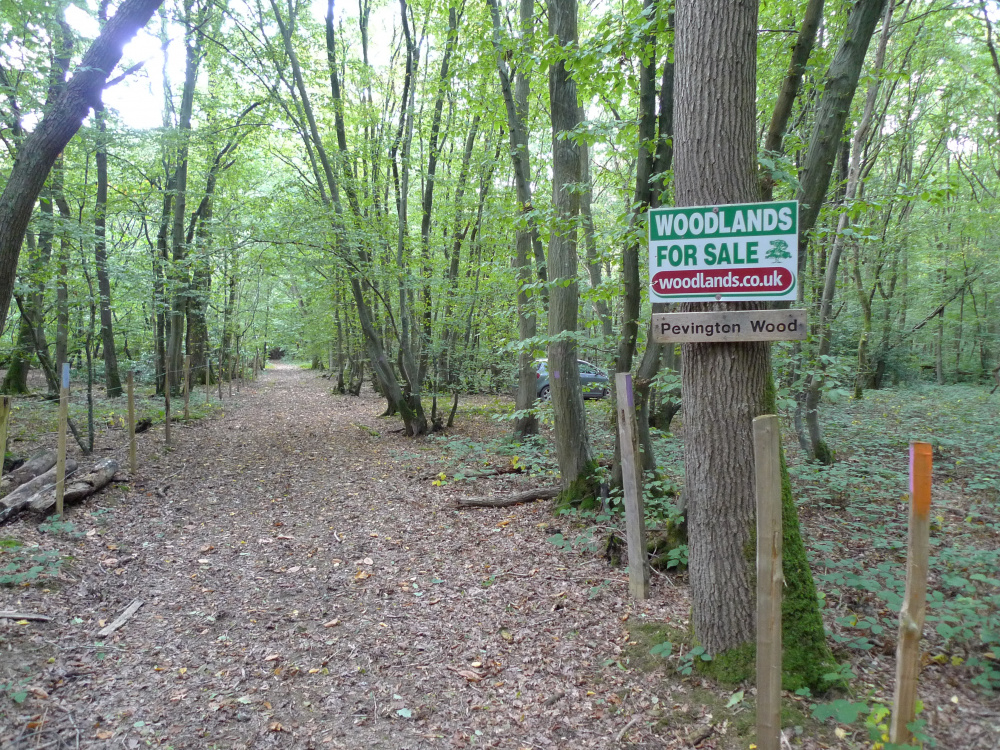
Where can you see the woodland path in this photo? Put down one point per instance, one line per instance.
(305, 588)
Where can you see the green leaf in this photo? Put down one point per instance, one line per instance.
(662, 649)
(404, 712)
(844, 712)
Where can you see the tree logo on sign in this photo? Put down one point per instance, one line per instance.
(778, 251)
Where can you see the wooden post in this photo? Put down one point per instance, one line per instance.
(166, 406)
(767, 474)
(133, 463)
(5, 404)
(220, 376)
(61, 440)
(187, 385)
(232, 374)
(208, 379)
(635, 521)
(911, 616)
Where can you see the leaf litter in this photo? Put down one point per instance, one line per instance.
(379, 617)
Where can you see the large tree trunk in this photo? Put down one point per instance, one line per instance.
(576, 461)
(726, 385)
(38, 152)
(112, 380)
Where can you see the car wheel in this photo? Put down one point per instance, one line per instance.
(544, 392)
(605, 392)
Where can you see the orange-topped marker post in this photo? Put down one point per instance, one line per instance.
(911, 616)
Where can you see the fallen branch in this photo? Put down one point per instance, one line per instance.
(4, 615)
(632, 722)
(539, 493)
(124, 617)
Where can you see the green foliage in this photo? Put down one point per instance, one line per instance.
(60, 528)
(26, 566)
(876, 716)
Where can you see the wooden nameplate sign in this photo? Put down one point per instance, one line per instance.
(730, 326)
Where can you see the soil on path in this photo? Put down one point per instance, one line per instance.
(304, 587)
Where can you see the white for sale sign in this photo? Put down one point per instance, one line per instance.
(737, 252)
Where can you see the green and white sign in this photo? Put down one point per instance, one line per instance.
(746, 251)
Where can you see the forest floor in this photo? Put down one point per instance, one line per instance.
(309, 582)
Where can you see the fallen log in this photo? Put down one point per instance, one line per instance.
(20, 497)
(85, 485)
(39, 463)
(527, 496)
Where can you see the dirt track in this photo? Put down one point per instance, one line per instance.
(305, 588)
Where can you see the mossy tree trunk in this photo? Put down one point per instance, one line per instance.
(726, 385)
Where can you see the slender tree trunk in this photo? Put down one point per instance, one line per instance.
(576, 462)
(112, 380)
(527, 236)
(179, 273)
(400, 155)
(819, 449)
(15, 382)
(601, 308)
(427, 199)
(839, 85)
(790, 87)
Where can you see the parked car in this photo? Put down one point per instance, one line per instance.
(593, 379)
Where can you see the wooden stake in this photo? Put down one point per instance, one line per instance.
(635, 522)
(767, 474)
(5, 402)
(61, 440)
(166, 406)
(208, 379)
(133, 463)
(187, 385)
(220, 377)
(911, 616)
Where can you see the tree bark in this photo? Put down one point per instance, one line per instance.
(38, 152)
(818, 448)
(726, 385)
(179, 274)
(112, 380)
(840, 83)
(576, 461)
(527, 237)
(790, 87)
